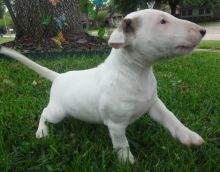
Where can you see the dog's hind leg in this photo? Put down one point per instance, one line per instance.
(52, 114)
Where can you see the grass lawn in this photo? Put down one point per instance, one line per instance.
(207, 23)
(210, 44)
(6, 39)
(189, 86)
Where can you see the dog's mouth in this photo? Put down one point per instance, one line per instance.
(185, 49)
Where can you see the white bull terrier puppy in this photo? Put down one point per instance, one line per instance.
(123, 88)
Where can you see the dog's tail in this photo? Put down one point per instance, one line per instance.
(44, 72)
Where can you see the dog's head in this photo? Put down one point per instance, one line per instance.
(156, 34)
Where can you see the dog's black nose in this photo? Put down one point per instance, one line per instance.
(203, 32)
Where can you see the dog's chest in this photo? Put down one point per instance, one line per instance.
(128, 97)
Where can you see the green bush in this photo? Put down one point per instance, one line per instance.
(8, 20)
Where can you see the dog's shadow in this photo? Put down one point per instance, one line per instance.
(141, 135)
(75, 138)
(73, 130)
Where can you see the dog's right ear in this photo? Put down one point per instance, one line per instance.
(118, 37)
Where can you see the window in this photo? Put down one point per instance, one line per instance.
(201, 11)
(183, 12)
(207, 10)
(190, 12)
(84, 25)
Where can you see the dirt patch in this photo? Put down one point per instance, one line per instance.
(74, 43)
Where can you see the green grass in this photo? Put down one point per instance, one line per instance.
(207, 23)
(6, 39)
(210, 44)
(189, 87)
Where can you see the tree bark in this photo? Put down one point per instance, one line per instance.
(30, 13)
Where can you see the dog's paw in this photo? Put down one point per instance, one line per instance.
(42, 132)
(188, 137)
(124, 155)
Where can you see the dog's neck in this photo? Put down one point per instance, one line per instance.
(125, 57)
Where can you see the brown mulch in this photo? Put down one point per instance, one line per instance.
(74, 43)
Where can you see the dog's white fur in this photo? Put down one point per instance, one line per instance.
(123, 88)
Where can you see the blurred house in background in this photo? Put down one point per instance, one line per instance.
(115, 19)
(199, 13)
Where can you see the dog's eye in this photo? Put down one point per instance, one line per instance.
(163, 21)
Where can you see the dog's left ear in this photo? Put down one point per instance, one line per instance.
(118, 37)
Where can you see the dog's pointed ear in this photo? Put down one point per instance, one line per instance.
(118, 37)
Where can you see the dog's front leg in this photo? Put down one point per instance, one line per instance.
(120, 142)
(161, 114)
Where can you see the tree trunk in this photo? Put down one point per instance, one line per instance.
(35, 34)
(30, 14)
